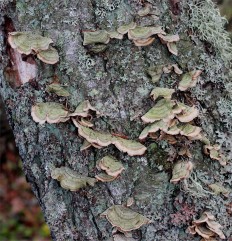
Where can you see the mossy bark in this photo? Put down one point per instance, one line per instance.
(117, 84)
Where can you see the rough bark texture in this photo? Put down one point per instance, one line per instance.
(116, 83)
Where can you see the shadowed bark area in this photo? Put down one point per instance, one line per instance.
(117, 84)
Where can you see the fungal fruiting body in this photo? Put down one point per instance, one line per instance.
(189, 80)
(124, 219)
(181, 171)
(70, 179)
(57, 89)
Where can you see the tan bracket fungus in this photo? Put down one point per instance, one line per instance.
(28, 42)
(162, 92)
(181, 171)
(189, 80)
(50, 112)
(131, 147)
(214, 153)
(112, 166)
(206, 227)
(100, 36)
(170, 40)
(70, 179)
(124, 219)
(58, 89)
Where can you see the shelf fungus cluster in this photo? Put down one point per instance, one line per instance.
(124, 219)
(30, 43)
(181, 171)
(100, 139)
(140, 35)
(206, 227)
(70, 179)
(170, 117)
(111, 166)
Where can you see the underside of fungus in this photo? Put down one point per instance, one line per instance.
(70, 179)
(50, 112)
(206, 227)
(131, 147)
(124, 219)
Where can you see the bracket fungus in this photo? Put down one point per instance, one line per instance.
(126, 27)
(112, 166)
(28, 42)
(131, 147)
(206, 227)
(170, 40)
(181, 171)
(189, 80)
(155, 72)
(58, 89)
(214, 153)
(50, 111)
(70, 179)
(218, 188)
(169, 68)
(188, 113)
(124, 219)
(103, 177)
(100, 36)
(162, 92)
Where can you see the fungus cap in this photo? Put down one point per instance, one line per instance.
(181, 171)
(162, 92)
(57, 89)
(100, 36)
(126, 27)
(48, 56)
(144, 32)
(103, 177)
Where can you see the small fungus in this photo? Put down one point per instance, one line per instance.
(70, 179)
(169, 68)
(206, 227)
(85, 145)
(130, 201)
(170, 40)
(50, 111)
(125, 28)
(162, 92)
(112, 166)
(98, 48)
(181, 171)
(187, 114)
(131, 147)
(189, 80)
(189, 130)
(124, 219)
(48, 56)
(144, 32)
(214, 153)
(155, 72)
(143, 42)
(57, 89)
(218, 188)
(100, 36)
(163, 110)
(26, 42)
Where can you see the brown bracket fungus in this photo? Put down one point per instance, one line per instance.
(206, 227)
(115, 34)
(100, 36)
(131, 147)
(50, 111)
(26, 42)
(162, 92)
(124, 219)
(181, 171)
(112, 166)
(57, 89)
(70, 179)
(48, 56)
(189, 80)
(188, 113)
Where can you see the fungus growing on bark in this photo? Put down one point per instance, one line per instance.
(214, 153)
(26, 42)
(144, 32)
(162, 92)
(124, 219)
(126, 27)
(48, 56)
(115, 34)
(103, 177)
(170, 40)
(163, 110)
(100, 36)
(189, 80)
(187, 114)
(70, 179)
(155, 72)
(50, 111)
(131, 147)
(83, 109)
(181, 171)
(57, 89)
(206, 227)
(189, 130)
(169, 68)
(219, 189)
(143, 42)
(112, 166)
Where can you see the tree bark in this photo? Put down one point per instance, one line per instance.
(117, 84)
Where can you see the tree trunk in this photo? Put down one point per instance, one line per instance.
(117, 84)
